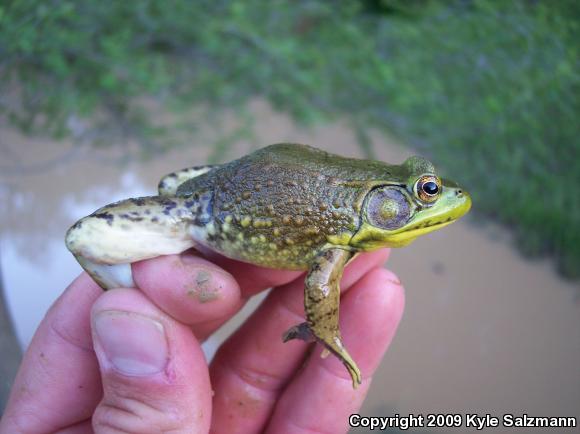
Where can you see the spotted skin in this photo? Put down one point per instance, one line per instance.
(273, 210)
(286, 206)
(169, 183)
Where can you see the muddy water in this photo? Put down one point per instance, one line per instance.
(484, 330)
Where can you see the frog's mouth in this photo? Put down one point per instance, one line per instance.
(428, 225)
(451, 208)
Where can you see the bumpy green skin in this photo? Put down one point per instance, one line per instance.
(279, 206)
(286, 206)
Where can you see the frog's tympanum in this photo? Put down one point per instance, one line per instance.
(286, 206)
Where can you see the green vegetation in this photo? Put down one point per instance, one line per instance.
(488, 89)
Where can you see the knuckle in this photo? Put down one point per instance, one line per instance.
(130, 415)
(258, 379)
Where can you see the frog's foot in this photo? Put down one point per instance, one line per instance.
(335, 346)
(332, 344)
(300, 331)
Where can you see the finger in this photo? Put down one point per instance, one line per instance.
(154, 374)
(321, 398)
(80, 428)
(252, 278)
(362, 264)
(58, 381)
(252, 367)
(190, 289)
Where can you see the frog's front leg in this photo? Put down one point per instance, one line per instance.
(321, 303)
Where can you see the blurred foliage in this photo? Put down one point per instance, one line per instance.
(488, 89)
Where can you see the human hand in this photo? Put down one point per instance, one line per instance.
(129, 360)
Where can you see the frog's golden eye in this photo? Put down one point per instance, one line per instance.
(428, 188)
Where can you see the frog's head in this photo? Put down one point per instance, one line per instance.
(414, 203)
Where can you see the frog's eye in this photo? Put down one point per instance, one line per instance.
(427, 188)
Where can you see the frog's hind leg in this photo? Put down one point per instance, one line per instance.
(108, 241)
(321, 302)
(169, 183)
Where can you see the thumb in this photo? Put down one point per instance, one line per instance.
(154, 374)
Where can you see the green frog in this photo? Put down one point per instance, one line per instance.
(285, 206)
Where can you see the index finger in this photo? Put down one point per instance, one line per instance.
(203, 293)
(253, 278)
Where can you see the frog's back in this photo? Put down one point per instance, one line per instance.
(279, 205)
(289, 159)
(292, 156)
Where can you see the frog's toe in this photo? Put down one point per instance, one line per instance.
(354, 373)
(333, 345)
(299, 331)
(336, 347)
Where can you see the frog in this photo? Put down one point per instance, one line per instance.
(285, 206)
